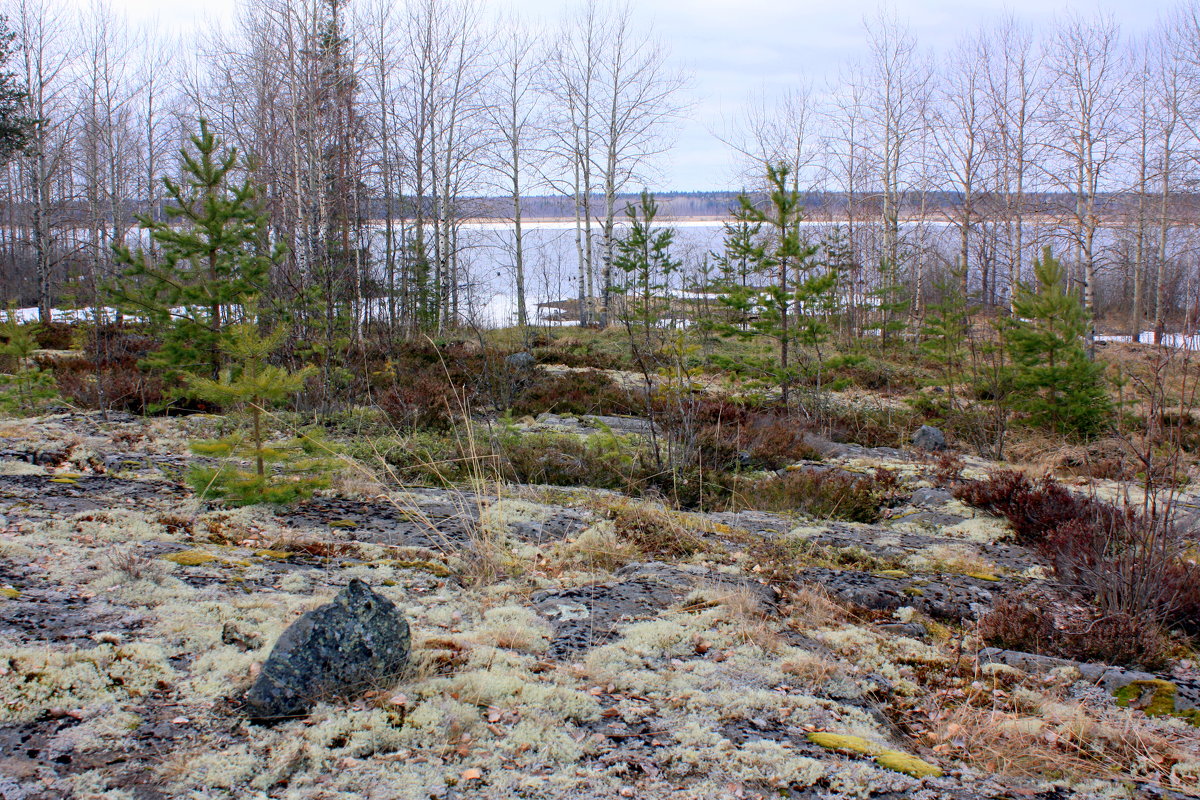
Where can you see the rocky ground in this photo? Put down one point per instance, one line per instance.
(771, 656)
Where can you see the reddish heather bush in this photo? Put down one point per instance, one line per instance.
(1128, 565)
(54, 335)
(1018, 624)
(1182, 580)
(586, 392)
(121, 387)
(420, 401)
(731, 436)
(1035, 510)
(1030, 625)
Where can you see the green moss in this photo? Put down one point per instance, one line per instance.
(839, 741)
(888, 759)
(913, 591)
(1161, 699)
(279, 554)
(909, 765)
(983, 576)
(892, 573)
(9, 593)
(190, 558)
(343, 523)
(432, 567)
(63, 480)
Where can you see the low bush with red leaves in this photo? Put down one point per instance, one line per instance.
(1125, 562)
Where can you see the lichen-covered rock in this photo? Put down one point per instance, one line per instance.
(521, 360)
(357, 641)
(928, 437)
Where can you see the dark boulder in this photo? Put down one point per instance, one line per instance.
(929, 438)
(358, 641)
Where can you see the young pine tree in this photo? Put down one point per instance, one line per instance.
(283, 471)
(644, 258)
(212, 255)
(782, 311)
(18, 345)
(944, 334)
(1054, 381)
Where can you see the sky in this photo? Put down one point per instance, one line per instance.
(735, 47)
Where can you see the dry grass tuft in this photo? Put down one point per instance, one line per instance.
(811, 606)
(653, 530)
(1062, 740)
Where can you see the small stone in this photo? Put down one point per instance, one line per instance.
(358, 641)
(522, 360)
(928, 437)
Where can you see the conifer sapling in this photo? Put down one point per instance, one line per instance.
(283, 471)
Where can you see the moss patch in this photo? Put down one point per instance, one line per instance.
(888, 759)
(909, 765)
(9, 593)
(1155, 698)
(190, 558)
(278, 554)
(432, 567)
(983, 576)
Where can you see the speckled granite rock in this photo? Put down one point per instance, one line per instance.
(357, 641)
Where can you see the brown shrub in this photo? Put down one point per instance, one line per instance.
(1035, 510)
(824, 493)
(422, 401)
(1017, 624)
(654, 531)
(54, 335)
(731, 436)
(1031, 625)
(1123, 562)
(572, 392)
(116, 387)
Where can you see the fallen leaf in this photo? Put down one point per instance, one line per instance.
(471, 774)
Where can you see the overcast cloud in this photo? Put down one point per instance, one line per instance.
(734, 47)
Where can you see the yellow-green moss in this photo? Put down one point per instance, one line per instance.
(8, 592)
(909, 765)
(839, 741)
(63, 480)
(1162, 699)
(983, 576)
(343, 523)
(279, 554)
(190, 558)
(888, 759)
(892, 573)
(432, 567)
(913, 591)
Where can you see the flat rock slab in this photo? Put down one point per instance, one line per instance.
(584, 617)
(435, 519)
(946, 596)
(1187, 688)
(49, 494)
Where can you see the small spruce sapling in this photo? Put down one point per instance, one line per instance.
(1055, 382)
(283, 471)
